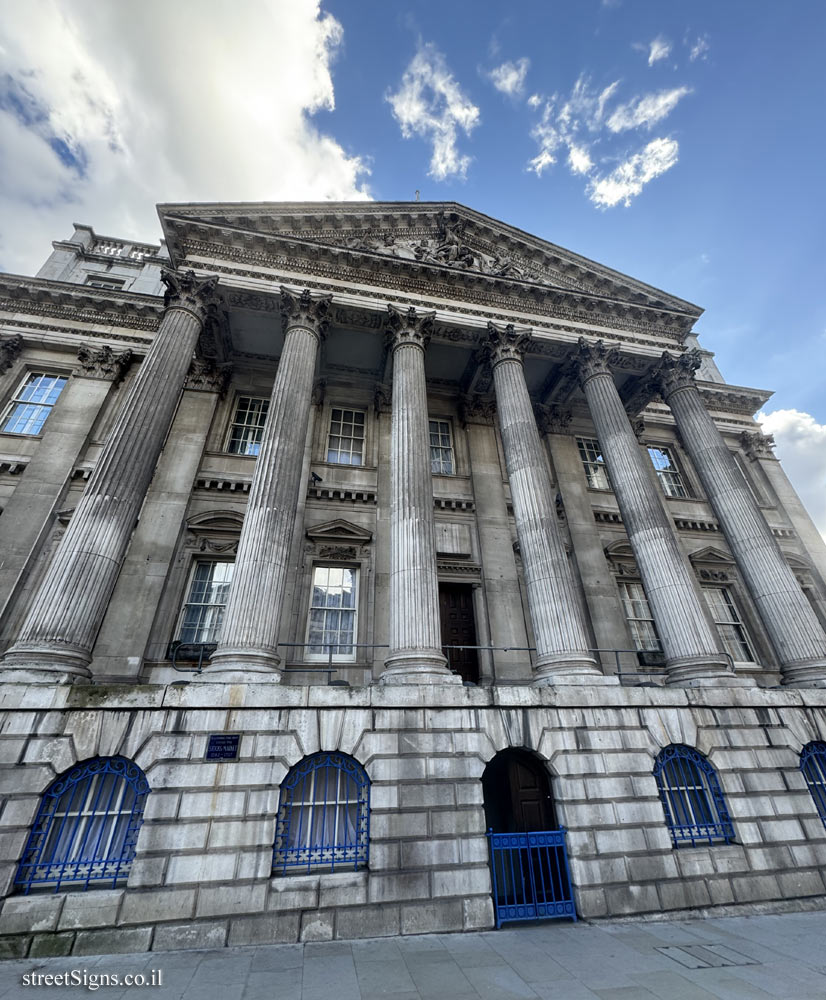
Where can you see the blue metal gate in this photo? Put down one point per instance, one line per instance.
(531, 878)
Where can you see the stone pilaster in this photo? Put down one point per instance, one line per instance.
(60, 628)
(691, 650)
(249, 636)
(562, 646)
(792, 625)
(415, 638)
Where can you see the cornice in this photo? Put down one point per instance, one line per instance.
(200, 241)
(79, 303)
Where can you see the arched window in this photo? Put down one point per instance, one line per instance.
(86, 827)
(813, 766)
(695, 809)
(323, 816)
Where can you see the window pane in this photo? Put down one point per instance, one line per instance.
(33, 402)
(332, 619)
(203, 613)
(345, 442)
(247, 425)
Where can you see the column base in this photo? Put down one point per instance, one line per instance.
(569, 669)
(701, 671)
(417, 666)
(808, 674)
(45, 663)
(242, 666)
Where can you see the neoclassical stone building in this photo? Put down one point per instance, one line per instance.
(336, 535)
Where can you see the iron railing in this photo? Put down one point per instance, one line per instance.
(531, 876)
(813, 766)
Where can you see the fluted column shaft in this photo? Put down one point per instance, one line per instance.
(415, 637)
(249, 635)
(691, 650)
(562, 646)
(59, 630)
(795, 632)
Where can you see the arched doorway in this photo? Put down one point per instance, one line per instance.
(529, 862)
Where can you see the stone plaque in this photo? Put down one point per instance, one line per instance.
(223, 746)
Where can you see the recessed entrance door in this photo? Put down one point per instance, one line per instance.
(529, 861)
(459, 629)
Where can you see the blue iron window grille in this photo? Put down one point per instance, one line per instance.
(692, 799)
(323, 816)
(86, 827)
(813, 766)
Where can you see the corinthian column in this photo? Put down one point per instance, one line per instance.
(59, 631)
(249, 634)
(795, 631)
(415, 638)
(692, 655)
(562, 653)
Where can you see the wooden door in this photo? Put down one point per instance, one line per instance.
(459, 629)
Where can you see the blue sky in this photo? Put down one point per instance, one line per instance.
(682, 143)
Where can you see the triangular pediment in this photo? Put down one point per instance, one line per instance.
(710, 554)
(339, 531)
(436, 241)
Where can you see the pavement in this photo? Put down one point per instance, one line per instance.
(722, 958)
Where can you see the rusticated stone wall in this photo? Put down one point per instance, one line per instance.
(201, 877)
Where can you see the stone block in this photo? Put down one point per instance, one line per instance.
(253, 865)
(808, 855)
(770, 859)
(457, 822)
(208, 805)
(720, 891)
(453, 768)
(20, 811)
(396, 886)
(173, 837)
(90, 909)
(461, 882)
(794, 885)
(385, 797)
(426, 742)
(268, 928)
(694, 862)
(398, 769)
(469, 793)
(399, 719)
(599, 871)
(391, 825)
(384, 857)
(632, 899)
(219, 901)
(754, 888)
(51, 945)
(318, 926)
(283, 745)
(201, 868)
(242, 833)
(622, 841)
(146, 872)
(294, 893)
(652, 868)
(782, 831)
(162, 805)
(14, 947)
(429, 853)
(380, 920)
(590, 814)
(591, 903)
(28, 914)
(372, 745)
(114, 941)
(435, 917)
(427, 795)
(148, 907)
(474, 850)
(12, 843)
(342, 889)
(260, 802)
(477, 914)
(182, 937)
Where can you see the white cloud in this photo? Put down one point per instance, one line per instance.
(629, 178)
(801, 445)
(699, 49)
(534, 100)
(430, 103)
(509, 78)
(646, 111)
(659, 49)
(579, 159)
(102, 114)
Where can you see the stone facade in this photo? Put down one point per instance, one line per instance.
(426, 503)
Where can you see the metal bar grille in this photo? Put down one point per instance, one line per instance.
(693, 802)
(86, 827)
(531, 877)
(323, 816)
(813, 766)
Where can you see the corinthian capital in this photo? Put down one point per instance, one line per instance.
(304, 309)
(10, 348)
(672, 374)
(592, 359)
(508, 344)
(409, 327)
(186, 291)
(102, 363)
